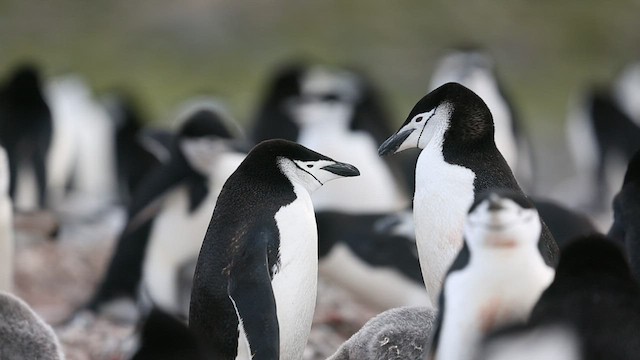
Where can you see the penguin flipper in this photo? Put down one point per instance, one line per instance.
(251, 292)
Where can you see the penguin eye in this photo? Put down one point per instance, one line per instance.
(419, 118)
(309, 166)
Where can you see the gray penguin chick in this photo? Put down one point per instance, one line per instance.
(400, 333)
(23, 334)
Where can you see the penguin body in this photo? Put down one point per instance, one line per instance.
(500, 268)
(23, 334)
(459, 160)
(401, 333)
(255, 282)
(25, 133)
(7, 243)
(552, 342)
(178, 195)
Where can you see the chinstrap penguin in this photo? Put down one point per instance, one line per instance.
(500, 269)
(459, 160)
(255, 282)
(184, 189)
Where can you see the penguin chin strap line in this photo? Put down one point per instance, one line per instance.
(313, 176)
(425, 126)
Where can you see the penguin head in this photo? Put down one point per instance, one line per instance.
(206, 132)
(464, 65)
(298, 164)
(502, 219)
(23, 88)
(326, 97)
(626, 204)
(449, 114)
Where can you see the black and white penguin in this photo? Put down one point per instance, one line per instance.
(500, 267)
(23, 333)
(459, 160)
(7, 243)
(626, 211)
(174, 201)
(475, 69)
(395, 334)
(595, 294)
(25, 133)
(255, 283)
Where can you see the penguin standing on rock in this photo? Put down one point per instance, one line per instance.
(500, 268)
(25, 133)
(459, 160)
(255, 282)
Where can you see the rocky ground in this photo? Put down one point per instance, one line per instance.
(57, 275)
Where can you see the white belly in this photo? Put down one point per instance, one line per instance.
(444, 193)
(499, 290)
(295, 284)
(175, 238)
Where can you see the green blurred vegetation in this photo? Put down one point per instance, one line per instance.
(165, 51)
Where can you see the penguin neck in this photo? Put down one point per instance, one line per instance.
(508, 257)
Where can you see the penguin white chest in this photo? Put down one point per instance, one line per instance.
(295, 283)
(495, 289)
(444, 193)
(176, 237)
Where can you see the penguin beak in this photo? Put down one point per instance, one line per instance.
(391, 145)
(342, 169)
